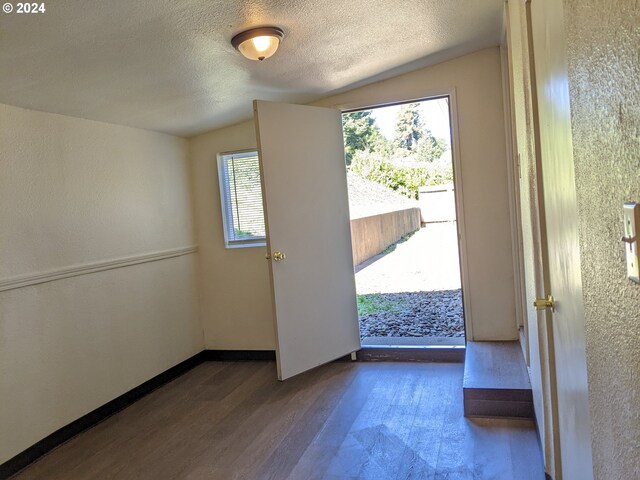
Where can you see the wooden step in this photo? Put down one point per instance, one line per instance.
(496, 381)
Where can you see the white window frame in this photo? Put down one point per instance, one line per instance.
(225, 202)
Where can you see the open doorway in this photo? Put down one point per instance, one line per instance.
(404, 228)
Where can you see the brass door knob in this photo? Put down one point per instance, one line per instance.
(279, 256)
(543, 303)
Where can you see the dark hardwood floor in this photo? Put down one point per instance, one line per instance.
(228, 420)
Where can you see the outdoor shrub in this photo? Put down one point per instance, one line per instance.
(401, 178)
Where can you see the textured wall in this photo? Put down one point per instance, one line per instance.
(236, 304)
(603, 43)
(75, 192)
(87, 191)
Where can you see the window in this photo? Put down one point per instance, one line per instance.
(241, 198)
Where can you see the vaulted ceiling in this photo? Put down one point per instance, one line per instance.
(168, 65)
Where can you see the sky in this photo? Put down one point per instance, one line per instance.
(434, 113)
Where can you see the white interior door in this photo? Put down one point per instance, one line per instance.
(304, 185)
(563, 249)
(538, 331)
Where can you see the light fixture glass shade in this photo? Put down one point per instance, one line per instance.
(258, 43)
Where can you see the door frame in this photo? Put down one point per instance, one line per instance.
(449, 93)
(513, 184)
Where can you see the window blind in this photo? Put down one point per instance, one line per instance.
(242, 198)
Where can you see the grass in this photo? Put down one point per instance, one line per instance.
(378, 303)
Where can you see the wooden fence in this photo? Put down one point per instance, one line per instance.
(371, 235)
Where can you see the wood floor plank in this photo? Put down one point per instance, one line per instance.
(302, 429)
(228, 420)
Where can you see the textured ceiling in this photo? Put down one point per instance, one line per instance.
(168, 65)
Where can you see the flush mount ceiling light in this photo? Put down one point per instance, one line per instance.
(258, 43)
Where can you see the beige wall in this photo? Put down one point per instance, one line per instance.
(75, 193)
(236, 305)
(603, 39)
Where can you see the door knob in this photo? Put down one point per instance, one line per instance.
(543, 303)
(279, 256)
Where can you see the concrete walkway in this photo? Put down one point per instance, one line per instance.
(428, 261)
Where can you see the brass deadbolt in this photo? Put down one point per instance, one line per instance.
(544, 303)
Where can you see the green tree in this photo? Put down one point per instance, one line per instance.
(361, 133)
(430, 148)
(409, 127)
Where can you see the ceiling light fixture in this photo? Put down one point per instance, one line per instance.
(258, 43)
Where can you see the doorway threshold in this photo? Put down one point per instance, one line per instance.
(413, 342)
(412, 349)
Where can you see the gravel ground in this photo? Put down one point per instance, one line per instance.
(412, 314)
